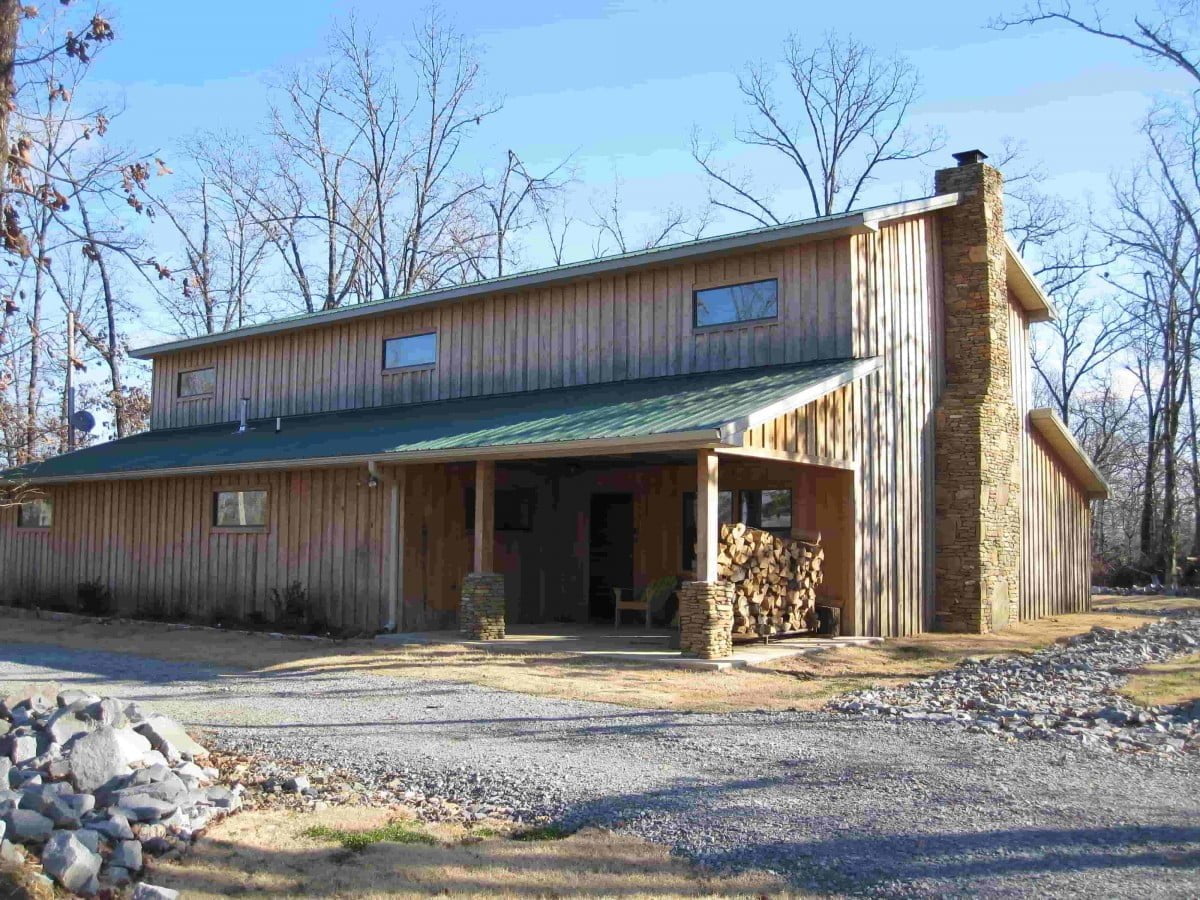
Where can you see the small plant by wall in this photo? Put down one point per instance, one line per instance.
(95, 599)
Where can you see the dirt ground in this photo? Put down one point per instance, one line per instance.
(269, 853)
(803, 682)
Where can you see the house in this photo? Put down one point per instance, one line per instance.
(519, 447)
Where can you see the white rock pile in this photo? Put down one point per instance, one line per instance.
(92, 785)
(1066, 692)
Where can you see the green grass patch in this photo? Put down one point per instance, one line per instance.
(393, 832)
(542, 833)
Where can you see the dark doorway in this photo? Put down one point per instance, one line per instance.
(611, 552)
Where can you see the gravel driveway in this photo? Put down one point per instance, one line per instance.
(837, 804)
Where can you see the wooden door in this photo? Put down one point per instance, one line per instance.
(610, 552)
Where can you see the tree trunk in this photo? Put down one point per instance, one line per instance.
(10, 27)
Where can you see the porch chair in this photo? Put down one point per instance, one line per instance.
(652, 595)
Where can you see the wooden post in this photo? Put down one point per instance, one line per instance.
(398, 490)
(707, 528)
(485, 514)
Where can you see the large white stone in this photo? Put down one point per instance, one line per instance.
(70, 863)
(145, 891)
(27, 826)
(165, 731)
(97, 758)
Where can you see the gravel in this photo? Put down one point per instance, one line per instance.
(839, 803)
(1066, 692)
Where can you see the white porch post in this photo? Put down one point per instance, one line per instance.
(485, 515)
(707, 526)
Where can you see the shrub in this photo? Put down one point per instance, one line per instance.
(95, 599)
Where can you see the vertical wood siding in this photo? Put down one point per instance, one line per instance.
(897, 314)
(152, 544)
(823, 428)
(636, 324)
(1056, 546)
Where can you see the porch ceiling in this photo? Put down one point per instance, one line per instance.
(696, 410)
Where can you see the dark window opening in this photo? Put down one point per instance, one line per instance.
(514, 509)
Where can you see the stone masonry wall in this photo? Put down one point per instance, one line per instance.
(706, 619)
(481, 615)
(978, 481)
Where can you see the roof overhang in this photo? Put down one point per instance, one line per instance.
(1025, 287)
(653, 415)
(860, 222)
(1056, 433)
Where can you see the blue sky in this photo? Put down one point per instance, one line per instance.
(621, 84)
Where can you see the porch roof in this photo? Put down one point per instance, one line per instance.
(705, 409)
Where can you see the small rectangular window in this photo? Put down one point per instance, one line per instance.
(35, 513)
(197, 383)
(770, 510)
(240, 509)
(748, 302)
(411, 350)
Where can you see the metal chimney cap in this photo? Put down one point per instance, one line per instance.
(970, 157)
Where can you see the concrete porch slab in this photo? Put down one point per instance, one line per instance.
(627, 644)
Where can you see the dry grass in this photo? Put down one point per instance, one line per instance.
(804, 682)
(19, 883)
(1148, 605)
(1166, 683)
(270, 854)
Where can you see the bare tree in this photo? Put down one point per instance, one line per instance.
(513, 203)
(612, 229)
(844, 118)
(1171, 39)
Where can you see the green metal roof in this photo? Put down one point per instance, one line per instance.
(698, 407)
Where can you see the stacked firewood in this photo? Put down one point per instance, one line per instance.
(774, 579)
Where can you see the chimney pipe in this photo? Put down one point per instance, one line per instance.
(242, 418)
(970, 157)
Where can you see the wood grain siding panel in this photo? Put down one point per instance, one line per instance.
(1056, 546)
(895, 313)
(629, 325)
(151, 542)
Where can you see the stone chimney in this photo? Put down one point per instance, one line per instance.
(978, 469)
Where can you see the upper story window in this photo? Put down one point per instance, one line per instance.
(197, 383)
(240, 509)
(35, 513)
(410, 350)
(732, 303)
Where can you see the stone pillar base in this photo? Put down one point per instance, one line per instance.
(706, 619)
(481, 614)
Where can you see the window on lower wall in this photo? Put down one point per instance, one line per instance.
(240, 509)
(770, 510)
(410, 350)
(37, 513)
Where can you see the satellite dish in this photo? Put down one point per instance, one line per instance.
(83, 421)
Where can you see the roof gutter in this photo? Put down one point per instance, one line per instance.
(862, 222)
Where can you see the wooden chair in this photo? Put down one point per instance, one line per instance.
(623, 602)
(657, 590)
